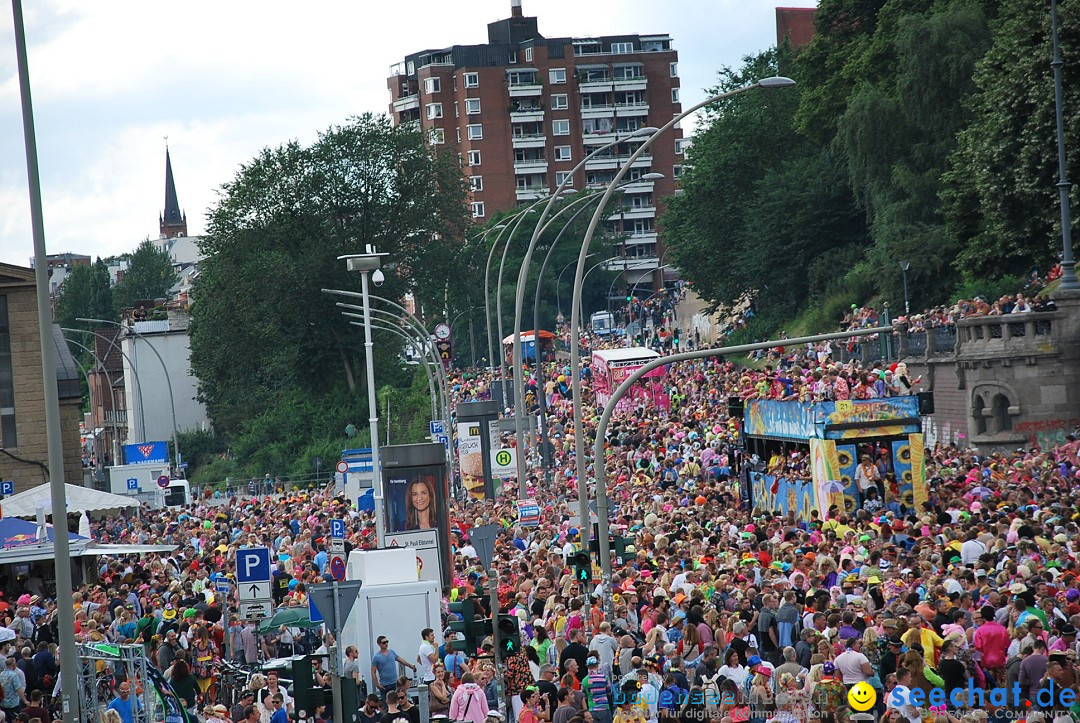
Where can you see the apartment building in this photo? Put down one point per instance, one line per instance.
(523, 110)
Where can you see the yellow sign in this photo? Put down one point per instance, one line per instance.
(862, 697)
(503, 458)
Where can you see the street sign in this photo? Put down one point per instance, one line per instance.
(163, 481)
(337, 529)
(437, 426)
(313, 612)
(444, 440)
(528, 513)
(446, 352)
(7, 488)
(342, 467)
(504, 462)
(223, 586)
(133, 483)
(337, 568)
(256, 610)
(251, 591)
(321, 597)
(253, 565)
(483, 541)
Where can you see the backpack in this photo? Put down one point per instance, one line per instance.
(710, 690)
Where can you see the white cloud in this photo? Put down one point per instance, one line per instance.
(222, 80)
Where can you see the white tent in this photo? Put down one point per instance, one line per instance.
(79, 500)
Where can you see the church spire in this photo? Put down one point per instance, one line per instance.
(171, 222)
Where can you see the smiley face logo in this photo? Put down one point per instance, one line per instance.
(862, 697)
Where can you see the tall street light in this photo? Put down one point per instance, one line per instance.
(1069, 281)
(368, 264)
(65, 613)
(487, 290)
(519, 299)
(904, 266)
(575, 309)
(135, 375)
(168, 383)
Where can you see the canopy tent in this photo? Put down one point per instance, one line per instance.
(79, 500)
(527, 336)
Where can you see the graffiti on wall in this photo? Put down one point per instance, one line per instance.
(1046, 432)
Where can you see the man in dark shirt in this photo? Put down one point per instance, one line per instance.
(576, 650)
(549, 692)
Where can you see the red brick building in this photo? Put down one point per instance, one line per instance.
(795, 25)
(524, 109)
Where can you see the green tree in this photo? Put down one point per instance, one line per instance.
(149, 275)
(85, 294)
(262, 330)
(763, 208)
(1000, 198)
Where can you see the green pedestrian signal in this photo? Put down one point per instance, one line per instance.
(582, 567)
(510, 633)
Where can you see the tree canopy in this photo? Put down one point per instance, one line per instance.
(920, 130)
(149, 275)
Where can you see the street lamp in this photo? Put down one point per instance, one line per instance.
(575, 310)
(904, 266)
(558, 281)
(368, 263)
(519, 300)
(134, 373)
(1069, 282)
(168, 383)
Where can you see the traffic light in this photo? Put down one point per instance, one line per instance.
(509, 635)
(582, 567)
(466, 609)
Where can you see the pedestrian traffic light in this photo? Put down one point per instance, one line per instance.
(466, 609)
(509, 635)
(582, 567)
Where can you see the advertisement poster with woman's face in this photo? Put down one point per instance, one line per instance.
(412, 498)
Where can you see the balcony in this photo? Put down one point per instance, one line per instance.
(532, 193)
(526, 90)
(528, 115)
(641, 237)
(629, 213)
(533, 140)
(599, 138)
(613, 163)
(595, 86)
(409, 102)
(532, 165)
(638, 83)
(638, 187)
(625, 109)
(981, 338)
(629, 263)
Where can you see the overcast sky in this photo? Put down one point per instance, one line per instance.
(112, 79)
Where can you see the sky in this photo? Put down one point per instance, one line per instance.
(112, 79)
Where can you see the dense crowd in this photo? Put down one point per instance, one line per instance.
(722, 611)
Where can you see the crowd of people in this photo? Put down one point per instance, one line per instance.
(722, 611)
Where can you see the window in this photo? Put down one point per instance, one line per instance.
(457, 133)
(437, 135)
(629, 72)
(673, 68)
(676, 170)
(434, 110)
(560, 128)
(675, 95)
(474, 158)
(617, 48)
(456, 110)
(432, 85)
(562, 153)
(559, 102)
(476, 183)
(557, 75)
(681, 145)
(472, 80)
(475, 132)
(7, 382)
(512, 58)
(472, 106)
(528, 55)
(561, 176)
(477, 209)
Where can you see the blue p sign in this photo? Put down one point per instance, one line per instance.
(133, 483)
(7, 488)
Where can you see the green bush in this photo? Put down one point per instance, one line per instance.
(989, 289)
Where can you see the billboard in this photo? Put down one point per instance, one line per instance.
(471, 458)
(416, 494)
(146, 453)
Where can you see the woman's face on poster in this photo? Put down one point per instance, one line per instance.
(420, 496)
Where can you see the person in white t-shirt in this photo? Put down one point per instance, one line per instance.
(853, 665)
(899, 698)
(428, 655)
